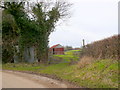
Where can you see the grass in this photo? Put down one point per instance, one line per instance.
(71, 52)
(102, 71)
(99, 74)
(22, 67)
(85, 61)
(69, 56)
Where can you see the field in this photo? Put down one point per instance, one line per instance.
(70, 56)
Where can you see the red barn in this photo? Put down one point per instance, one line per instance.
(57, 49)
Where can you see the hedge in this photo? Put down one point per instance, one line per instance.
(102, 49)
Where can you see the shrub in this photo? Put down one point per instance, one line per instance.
(106, 48)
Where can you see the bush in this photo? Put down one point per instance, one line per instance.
(7, 56)
(106, 48)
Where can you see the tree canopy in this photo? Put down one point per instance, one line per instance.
(25, 30)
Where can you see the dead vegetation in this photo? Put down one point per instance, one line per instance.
(85, 60)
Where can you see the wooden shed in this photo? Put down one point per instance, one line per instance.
(57, 49)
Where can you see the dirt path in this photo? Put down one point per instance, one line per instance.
(12, 79)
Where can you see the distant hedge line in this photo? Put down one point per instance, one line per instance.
(106, 48)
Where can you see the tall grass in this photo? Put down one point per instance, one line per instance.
(85, 61)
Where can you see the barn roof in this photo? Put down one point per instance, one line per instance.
(54, 46)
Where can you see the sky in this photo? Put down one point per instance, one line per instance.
(90, 20)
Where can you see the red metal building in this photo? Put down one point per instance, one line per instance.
(57, 49)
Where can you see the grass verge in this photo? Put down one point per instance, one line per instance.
(99, 74)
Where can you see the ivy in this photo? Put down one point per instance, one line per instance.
(33, 32)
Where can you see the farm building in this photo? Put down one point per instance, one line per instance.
(57, 49)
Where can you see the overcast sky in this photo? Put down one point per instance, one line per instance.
(90, 20)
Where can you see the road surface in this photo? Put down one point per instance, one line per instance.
(12, 79)
(0, 79)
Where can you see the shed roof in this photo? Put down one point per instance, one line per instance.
(57, 46)
(54, 46)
